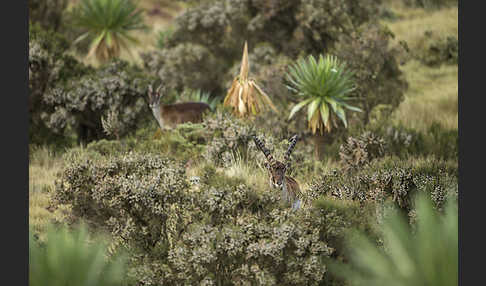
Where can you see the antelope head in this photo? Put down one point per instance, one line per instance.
(277, 169)
(154, 102)
(154, 97)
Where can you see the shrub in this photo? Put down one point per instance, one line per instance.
(390, 179)
(73, 258)
(186, 65)
(438, 50)
(227, 137)
(430, 256)
(377, 75)
(47, 13)
(49, 66)
(357, 152)
(217, 231)
(404, 142)
(82, 102)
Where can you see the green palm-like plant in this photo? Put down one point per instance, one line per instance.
(324, 86)
(69, 258)
(427, 257)
(107, 24)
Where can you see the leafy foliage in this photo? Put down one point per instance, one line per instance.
(163, 37)
(73, 258)
(427, 256)
(324, 86)
(81, 102)
(107, 24)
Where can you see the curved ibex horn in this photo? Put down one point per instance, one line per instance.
(262, 148)
(292, 141)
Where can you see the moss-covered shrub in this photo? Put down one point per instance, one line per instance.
(81, 102)
(219, 231)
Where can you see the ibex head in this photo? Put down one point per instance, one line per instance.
(154, 96)
(276, 168)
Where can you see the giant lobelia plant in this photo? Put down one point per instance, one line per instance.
(108, 23)
(324, 86)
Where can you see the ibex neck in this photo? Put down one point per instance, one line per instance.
(156, 111)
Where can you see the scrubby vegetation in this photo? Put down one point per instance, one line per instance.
(192, 204)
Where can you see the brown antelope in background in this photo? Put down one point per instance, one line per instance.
(287, 185)
(173, 114)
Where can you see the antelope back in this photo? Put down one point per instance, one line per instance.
(183, 112)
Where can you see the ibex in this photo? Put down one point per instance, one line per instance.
(288, 186)
(173, 114)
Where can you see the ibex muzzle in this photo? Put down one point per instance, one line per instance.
(177, 113)
(277, 170)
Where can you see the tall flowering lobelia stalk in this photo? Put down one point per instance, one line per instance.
(245, 96)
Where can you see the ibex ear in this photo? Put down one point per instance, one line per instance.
(267, 165)
(150, 88)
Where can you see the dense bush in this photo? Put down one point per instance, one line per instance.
(217, 231)
(404, 142)
(186, 65)
(390, 179)
(47, 13)
(49, 66)
(81, 102)
(377, 74)
(357, 152)
(227, 137)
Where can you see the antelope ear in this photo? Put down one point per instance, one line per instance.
(150, 88)
(267, 165)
